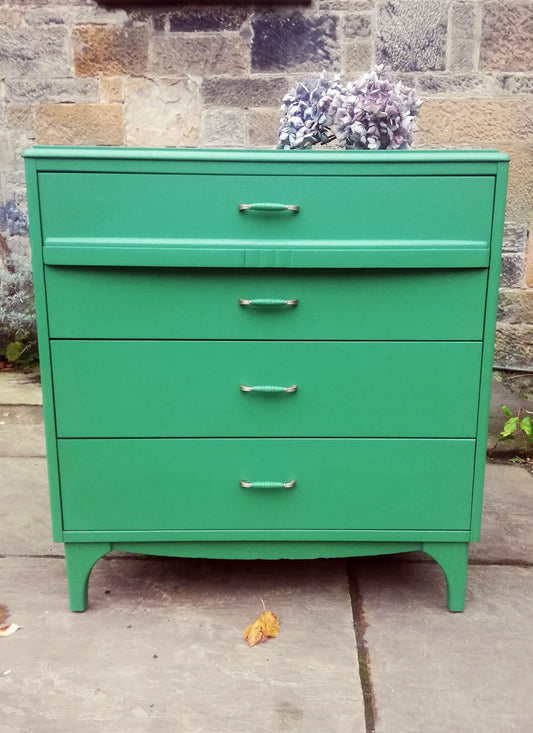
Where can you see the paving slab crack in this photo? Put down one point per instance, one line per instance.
(363, 655)
(34, 557)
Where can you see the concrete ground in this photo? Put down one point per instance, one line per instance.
(365, 644)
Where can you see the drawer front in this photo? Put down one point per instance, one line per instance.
(174, 303)
(195, 484)
(192, 388)
(191, 207)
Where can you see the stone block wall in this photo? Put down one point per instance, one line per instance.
(106, 72)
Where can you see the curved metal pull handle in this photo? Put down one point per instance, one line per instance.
(268, 484)
(269, 207)
(268, 301)
(268, 388)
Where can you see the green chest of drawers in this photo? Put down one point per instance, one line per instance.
(265, 354)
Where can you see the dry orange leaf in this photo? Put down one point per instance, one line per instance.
(266, 626)
(8, 630)
(11, 628)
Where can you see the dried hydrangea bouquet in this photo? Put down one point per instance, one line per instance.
(374, 112)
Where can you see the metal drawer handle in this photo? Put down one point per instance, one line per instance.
(269, 207)
(268, 388)
(268, 301)
(268, 484)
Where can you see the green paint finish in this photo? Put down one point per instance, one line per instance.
(206, 537)
(80, 558)
(488, 348)
(394, 260)
(44, 350)
(54, 155)
(453, 558)
(207, 207)
(195, 484)
(193, 388)
(267, 550)
(98, 302)
(336, 254)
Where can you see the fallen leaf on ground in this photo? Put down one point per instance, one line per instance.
(10, 628)
(7, 630)
(266, 626)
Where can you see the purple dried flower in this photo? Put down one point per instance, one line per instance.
(375, 112)
(306, 119)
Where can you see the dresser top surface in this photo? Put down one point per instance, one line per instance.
(238, 155)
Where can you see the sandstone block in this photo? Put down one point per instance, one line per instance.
(514, 345)
(516, 83)
(520, 186)
(354, 6)
(34, 53)
(72, 13)
(411, 36)
(109, 50)
(207, 18)
(112, 89)
(244, 92)
(13, 218)
(513, 271)
(463, 36)
(223, 128)
(51, 90)
(514, 237)
(79, 124)
(507, 31)
(455, 84)
(515, 306)
(358, 25)
(163, 113)
(529, 273)
(160, 21)
(20, 116)
(178, 54)
(294, 41)
(9, 16)
(475, 121)
(357, 57)
(5, 152)
(263, 125)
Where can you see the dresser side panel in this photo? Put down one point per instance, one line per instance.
(44, 348)
(488, 346)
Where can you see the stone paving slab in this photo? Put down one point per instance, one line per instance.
(434, 671)
(25, 508)
(507, 522)
(20, 389)
(21, 430)
(160, 648)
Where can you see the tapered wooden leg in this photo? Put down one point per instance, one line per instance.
(453, 559)
(80, 558)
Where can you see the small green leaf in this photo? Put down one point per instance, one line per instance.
(525, 425)
(510, 427)
(507, 411)
(516, 459)
(14, 351)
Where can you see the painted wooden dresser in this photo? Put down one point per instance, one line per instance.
(265, 354)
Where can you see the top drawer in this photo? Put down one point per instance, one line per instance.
(164, 208)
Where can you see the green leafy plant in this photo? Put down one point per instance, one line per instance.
(518, 426)
(18, 333)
